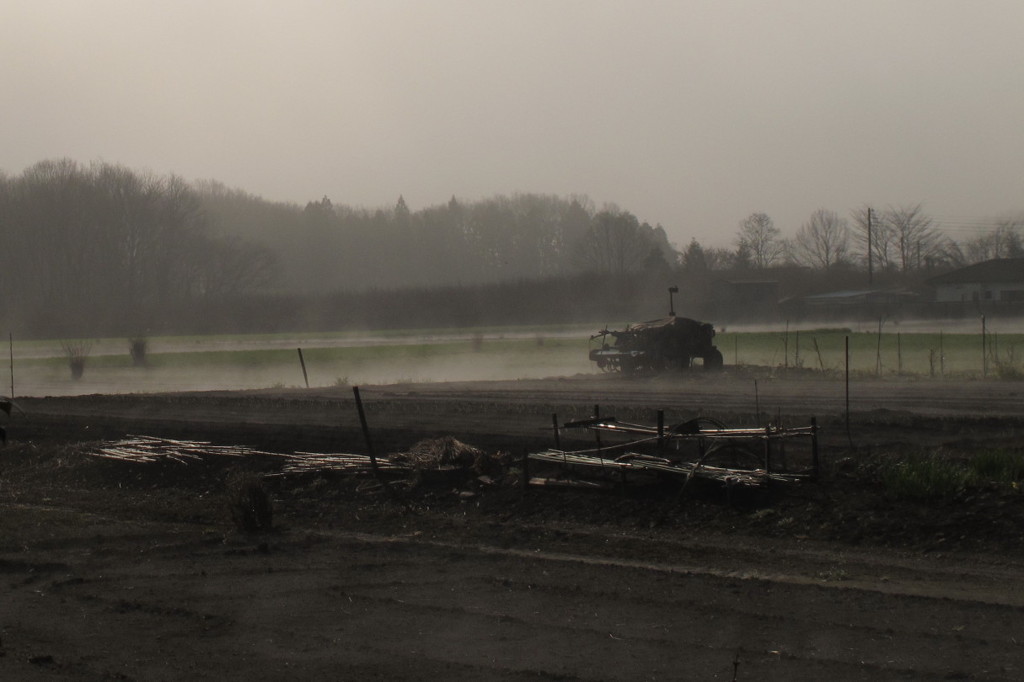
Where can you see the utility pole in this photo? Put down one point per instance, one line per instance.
(871, 274)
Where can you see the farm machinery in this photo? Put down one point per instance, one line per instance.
(656, 346)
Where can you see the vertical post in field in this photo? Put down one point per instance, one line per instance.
(785, 347)
(302, 362)
(847, 385)
(369, 448)
(878, 350)
(815, 460)
(661, 432)
(899, 354)
(984, 350)
(757, 404)
(942, 355)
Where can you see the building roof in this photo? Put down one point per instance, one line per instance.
(995, 270)
(860, 295)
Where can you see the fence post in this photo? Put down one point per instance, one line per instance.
(984, 354)
(899, 354)
(848, 435)
(661, 432)
(302, 362)
(815, 462)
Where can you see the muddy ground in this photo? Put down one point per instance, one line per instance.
(136, 571)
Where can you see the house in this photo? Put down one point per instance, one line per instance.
(998, 280)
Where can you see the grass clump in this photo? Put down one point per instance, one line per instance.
(249, 503)
(1001, 466)
(926, 478)
(1007, 370)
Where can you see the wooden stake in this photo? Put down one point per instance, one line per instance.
(303, 363)
(848, 434)
(369, 448)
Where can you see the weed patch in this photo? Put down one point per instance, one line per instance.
(926, 478)
(1001, 466)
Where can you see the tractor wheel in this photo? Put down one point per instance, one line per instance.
(714, 359)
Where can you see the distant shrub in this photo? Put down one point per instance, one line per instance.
(1009, 370)
(77, 352)
(137, 348)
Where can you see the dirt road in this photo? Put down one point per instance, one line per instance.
(114, 570)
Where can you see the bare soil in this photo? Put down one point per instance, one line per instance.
(136, 571)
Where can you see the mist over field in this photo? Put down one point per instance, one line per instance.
(878, 350)
(379, 166)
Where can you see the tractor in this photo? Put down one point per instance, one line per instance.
(657, 346)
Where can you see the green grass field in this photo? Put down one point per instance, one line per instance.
(263, 361)
(921, 354)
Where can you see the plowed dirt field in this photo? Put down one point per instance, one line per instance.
(129, 570)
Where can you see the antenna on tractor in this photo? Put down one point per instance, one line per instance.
(671, 308)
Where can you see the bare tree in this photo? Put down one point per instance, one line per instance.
(917, 242)
(823, 241)
(1005, 241)
(869, 231)
(760, 240)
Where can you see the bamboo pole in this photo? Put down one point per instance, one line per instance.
(302, 362)
(984, 355)
(757, 404)
(847, 354)
(821, 363)
(878, 350)
(369, 447)
(899, 354)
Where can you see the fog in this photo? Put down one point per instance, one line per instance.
(690, 114)
(336, 361)
(262, 362)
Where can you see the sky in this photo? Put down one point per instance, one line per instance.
(690, 114)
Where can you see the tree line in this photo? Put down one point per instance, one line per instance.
(901, 239)
(101, 249)
(331, 247)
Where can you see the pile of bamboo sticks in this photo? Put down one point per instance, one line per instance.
(315, 462)
(146, 449)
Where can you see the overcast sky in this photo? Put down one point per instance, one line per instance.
(690, 114)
